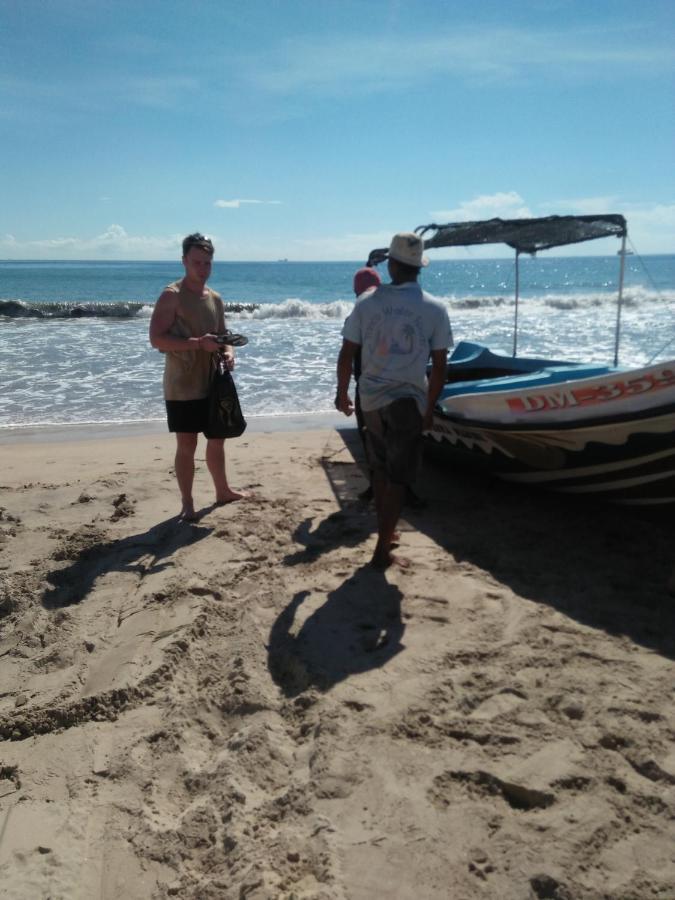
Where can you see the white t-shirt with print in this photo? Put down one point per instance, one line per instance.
(397, 326)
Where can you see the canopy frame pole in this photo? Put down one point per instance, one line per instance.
(619, 301)
(517, 297)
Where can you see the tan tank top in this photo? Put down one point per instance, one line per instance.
(186, 373)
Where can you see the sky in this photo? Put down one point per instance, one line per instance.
(315, 129)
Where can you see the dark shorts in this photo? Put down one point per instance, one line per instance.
(394, 439)
(191, 416)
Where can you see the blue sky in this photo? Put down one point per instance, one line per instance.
(314, 130)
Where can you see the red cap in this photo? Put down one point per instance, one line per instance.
(365, 278)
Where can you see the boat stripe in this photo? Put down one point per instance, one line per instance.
(645, 416)
(619, 484)
(580, 472)
(644, 501)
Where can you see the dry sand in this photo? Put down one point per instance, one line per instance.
(243, 708)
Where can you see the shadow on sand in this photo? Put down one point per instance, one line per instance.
(346, 635)
(605, 566)
(142, 554)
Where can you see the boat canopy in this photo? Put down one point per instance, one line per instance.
(524, 235)
(527, 236)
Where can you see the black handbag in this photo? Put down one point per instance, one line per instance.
(226, 419)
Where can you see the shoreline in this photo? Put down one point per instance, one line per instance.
(87, 431)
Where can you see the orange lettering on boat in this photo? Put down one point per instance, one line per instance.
(587, 396)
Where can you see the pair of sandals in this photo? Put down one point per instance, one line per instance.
(230, 339)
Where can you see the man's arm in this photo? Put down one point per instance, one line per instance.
(163, 317)
(344, 373)
(439, 366)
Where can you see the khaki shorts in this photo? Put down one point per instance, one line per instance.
(394, 439)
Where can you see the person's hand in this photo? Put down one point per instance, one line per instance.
(344, 404)
(229, 361)
(209, 343)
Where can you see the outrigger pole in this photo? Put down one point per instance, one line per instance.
(619, 302)
(515, 320)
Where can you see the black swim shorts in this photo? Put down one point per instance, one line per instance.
(190, 416)
(394, 439)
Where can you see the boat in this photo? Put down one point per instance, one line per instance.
(607, 431)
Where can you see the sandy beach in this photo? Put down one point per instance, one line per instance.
(244, 708)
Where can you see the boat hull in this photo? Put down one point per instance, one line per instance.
(611, 435)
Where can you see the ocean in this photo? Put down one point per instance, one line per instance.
(74, 335)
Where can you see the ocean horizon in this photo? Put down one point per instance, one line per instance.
(74, 346)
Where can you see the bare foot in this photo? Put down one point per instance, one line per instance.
(230, 496)
(396, 539)
(383, 560)
(187, 513)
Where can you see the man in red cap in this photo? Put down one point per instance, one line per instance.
(366, 279)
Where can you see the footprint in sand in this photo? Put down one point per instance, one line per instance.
(124, 507)
(480, 865)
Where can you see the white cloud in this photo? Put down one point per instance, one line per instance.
(651, 226)
(236, 204)
(582, 206)
(338, 66)
(113, 243)
(342, 64)
(503, 205)
(660, 215)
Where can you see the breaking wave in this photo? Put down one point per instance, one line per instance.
(633, 297)
(298, 309)
(18, 309)
(294, 308)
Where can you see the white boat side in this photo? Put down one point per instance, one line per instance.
(618, 393)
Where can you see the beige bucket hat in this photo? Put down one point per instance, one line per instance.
(407, 247)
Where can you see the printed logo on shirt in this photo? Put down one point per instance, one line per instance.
(395, 334)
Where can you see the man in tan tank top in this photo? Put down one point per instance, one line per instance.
(184, 324)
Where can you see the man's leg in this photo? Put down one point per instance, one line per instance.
(399, 427)
(367, 494)
(413, 500)
(186, 444)
(215, 461)
(388, 496)
(388, 504)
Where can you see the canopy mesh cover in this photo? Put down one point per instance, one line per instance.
(524, 235)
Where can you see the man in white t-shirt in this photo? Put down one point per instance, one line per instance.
(398, 327)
